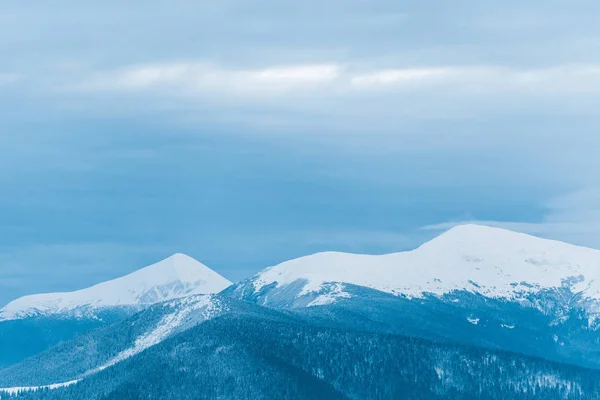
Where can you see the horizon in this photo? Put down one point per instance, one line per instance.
(233, 282)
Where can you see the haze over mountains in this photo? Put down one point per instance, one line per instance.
(475, 286)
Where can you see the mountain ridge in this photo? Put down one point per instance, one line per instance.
(490, 261)
(174, 277)
(486, 290)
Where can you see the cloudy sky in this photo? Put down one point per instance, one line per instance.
(246, 133)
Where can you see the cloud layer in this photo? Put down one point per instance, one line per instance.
(210, 79)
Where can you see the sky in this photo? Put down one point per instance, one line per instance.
(248, 133)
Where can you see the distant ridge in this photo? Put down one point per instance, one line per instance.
(171, 278)
(490, 261)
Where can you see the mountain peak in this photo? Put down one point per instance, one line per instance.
(491, 261)
(176, 276)
(475, 238)
(471, 233)
(178, 266)
(180, 257)
(474, 231)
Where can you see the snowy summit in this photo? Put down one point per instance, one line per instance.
(174, 277)
(491, 261)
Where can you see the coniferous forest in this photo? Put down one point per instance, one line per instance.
(248, 356)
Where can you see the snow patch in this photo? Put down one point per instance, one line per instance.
(553, 381)
(336, 291)
(21, 389)
(439, 372)
(166, 326)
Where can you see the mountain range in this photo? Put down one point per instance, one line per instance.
(475, 310)
(492, 262)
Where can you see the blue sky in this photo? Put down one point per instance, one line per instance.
(247, 133)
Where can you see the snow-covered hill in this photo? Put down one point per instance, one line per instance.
(493, 262)
(174, 277)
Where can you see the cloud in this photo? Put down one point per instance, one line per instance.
(573, 217)
(346, 89)
(329, 96)
(399, 76)
(558, 79)
(210, 79)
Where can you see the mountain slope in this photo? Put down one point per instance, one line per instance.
(473, 285)
(174, 277)
(466, 318)
(254, 356)
(26, 337)
(101, 348)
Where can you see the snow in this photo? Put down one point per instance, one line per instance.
(173, 321)
(335, 292)
(490, 261)
(554, 381)
(20, 389)
(174, 277)
(166, 326)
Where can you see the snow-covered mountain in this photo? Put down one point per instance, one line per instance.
(493, 262)
(100, 349)
(505, 295)
(174, 277)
